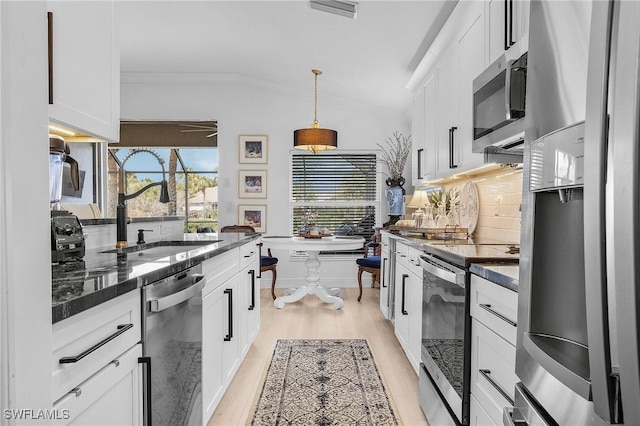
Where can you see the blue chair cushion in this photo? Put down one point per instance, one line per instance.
(268, 261)
(369, 262)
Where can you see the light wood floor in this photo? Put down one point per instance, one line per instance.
(311, 318)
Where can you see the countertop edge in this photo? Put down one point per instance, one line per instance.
(64, 310)
(496, 273)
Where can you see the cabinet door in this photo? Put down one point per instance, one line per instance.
(220, 347)
(415, 320)
(248, 307)
(417, 137)
(401, 305)
(430, 145)
(496, 28)
(384, 280)
(447, 112)
(112, 396)
(470, 64)
(85, 93)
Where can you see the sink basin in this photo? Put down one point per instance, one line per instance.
(163, 248)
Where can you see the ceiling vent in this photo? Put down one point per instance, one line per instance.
(337, 7)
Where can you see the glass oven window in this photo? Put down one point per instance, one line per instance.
(443, 327)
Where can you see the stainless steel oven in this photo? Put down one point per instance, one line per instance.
(445, 351)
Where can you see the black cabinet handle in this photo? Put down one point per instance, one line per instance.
(505, 395)
(506, 27)
(50, 53)
(452, 130)
(229, 335)
(420, 163)
(147, 361)
(404, 285)
(511, 42)
(384, 262)
(487, 308)
(253, 289)
(72, 359)
(259, 259)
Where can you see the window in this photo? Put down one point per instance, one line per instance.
(341, 188)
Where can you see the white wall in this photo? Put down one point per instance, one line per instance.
(247, 106)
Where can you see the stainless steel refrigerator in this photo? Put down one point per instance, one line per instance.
(579, 299)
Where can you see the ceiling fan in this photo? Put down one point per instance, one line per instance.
(212, 129)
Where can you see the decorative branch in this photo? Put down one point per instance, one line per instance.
(396, 154)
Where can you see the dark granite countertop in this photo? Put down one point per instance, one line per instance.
(507, 276)
(101, 276)
(112, 220)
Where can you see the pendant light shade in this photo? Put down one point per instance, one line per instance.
(315, 138)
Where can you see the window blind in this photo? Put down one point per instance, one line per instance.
(341, 188)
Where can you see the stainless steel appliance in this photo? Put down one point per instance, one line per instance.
(67, 236)
(445, 371)
(499, 95)
(172, 349)
(577, 345)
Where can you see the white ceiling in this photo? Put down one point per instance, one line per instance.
(368, 59)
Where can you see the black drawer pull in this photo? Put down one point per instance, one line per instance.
(229, 335)
(253, 289)
(404, 284)
(502, 317)
(71, 359)
(486, 375)
(384, 262)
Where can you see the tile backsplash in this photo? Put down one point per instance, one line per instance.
(500, 200)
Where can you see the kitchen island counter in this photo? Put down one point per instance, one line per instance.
(505, 275)
(101, 276)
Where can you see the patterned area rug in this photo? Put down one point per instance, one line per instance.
(323, 382)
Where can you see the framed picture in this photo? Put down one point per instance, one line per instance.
(253, 215)
(253, 149)
(252, 184)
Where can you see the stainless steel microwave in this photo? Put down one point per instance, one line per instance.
(499, 106)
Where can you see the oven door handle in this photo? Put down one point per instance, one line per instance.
(507, 90)
(162, 303)
(452, 277)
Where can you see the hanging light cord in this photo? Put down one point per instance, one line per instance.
(315, 101)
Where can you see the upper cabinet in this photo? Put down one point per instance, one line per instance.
(507, 24)
(442, 85)
(84, 67)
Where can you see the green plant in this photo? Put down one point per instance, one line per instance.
(449, 197)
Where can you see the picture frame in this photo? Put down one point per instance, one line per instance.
(252, 184)
(253, 215)
(253, 149)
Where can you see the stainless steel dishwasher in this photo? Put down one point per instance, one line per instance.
(172, 349)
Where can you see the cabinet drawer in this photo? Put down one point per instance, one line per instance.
(219, 269)
(248, 255)
(113, 393)
(494, 306)
(88, 341)
(478, 416)
(493, 376)
(402, 250)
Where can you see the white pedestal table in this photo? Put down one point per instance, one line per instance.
(313, 246)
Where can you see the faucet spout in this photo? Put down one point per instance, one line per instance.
(121, 209)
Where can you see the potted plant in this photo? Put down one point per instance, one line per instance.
(395, 155)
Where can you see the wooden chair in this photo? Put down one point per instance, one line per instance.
(369, 263)
(267, 263)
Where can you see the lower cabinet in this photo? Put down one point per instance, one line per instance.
(231, 319)
(112, 396)
(493, 353)
(96, 377)
(408, 303)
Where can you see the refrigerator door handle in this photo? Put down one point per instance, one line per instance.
(595, 159)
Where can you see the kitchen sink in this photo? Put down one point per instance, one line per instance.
(163, 248)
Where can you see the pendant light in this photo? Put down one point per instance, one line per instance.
(315, 138)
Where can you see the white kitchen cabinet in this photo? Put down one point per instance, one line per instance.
(493, 354)
(85, 67)
(408, 303)
(112, 396)
(507, 23)
(425, 130)
(95, 371)
(384, 275)
(477, 415)
(229, 326)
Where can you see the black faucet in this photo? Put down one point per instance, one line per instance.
(121, 209)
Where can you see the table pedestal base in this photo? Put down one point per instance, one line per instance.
(311, 286)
